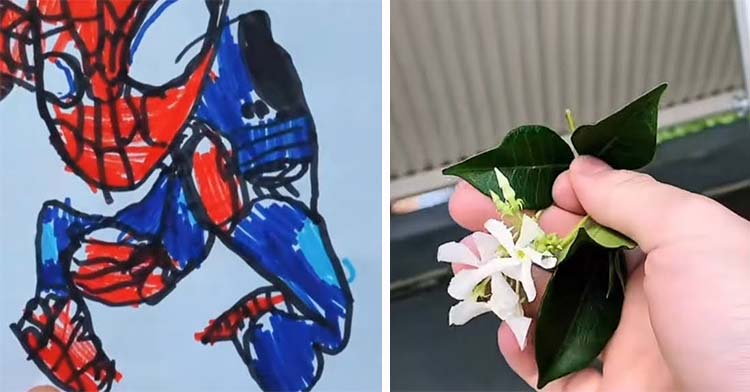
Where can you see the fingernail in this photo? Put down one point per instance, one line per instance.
(588, 166)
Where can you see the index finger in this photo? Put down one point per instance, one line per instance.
(470, 208)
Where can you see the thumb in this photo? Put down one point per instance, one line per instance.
(649, 212)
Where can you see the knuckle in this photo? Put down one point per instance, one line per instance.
(623, 183)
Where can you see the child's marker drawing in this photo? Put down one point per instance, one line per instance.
(228, 140)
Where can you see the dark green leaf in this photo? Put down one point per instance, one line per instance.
(578, 315)
(625, 139)
(588, 231)
(617, 270)
(530, 156)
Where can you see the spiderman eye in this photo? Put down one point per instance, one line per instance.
(248, 111)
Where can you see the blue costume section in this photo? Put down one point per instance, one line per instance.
(223, 104)
(279, 239)
(62, 230)
(283, 358)
(282, 241)
(59, 228)
(265, 145)
(182, 236)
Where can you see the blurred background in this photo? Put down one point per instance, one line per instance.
(463, 73)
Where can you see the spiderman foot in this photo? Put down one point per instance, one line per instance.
(282, 349)
(244, 313)
(57, 334)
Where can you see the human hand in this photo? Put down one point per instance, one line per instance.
(685, 321)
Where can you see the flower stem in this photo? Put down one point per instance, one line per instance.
(571, 120)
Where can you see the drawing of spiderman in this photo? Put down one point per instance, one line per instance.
(229, 141)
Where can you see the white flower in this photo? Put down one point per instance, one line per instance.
(504, 302)
(499, 257)
(462, 285)
(484, 287)
(522, 251)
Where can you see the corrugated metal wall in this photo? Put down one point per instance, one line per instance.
(465, 72)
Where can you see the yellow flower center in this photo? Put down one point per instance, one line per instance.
(483, 291)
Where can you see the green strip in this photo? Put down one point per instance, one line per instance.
(693, 127)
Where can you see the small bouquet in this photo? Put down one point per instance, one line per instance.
(581, 305)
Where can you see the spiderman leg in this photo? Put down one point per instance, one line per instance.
(55, 328)
(130, 258)
(306, 313)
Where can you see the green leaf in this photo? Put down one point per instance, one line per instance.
(530, 156)
(627, 138)
(617, 270)
(588, 231)
(579, 313)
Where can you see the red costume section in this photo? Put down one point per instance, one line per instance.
(227, 325)
(217, 186)
(68, 353)
(14, 29)
(119, 274)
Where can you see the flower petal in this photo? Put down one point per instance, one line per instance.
(486, 245)
(544, 260)
(522, 273)
(454, 252)
(503, 300)
(464, 311)
(462, 285)
(502, 233)
(520, 327)
(533, 255)
(508, 261)
(547, 262)
(527, 281)
(513, 269)
(530, 231)
(504, 184)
